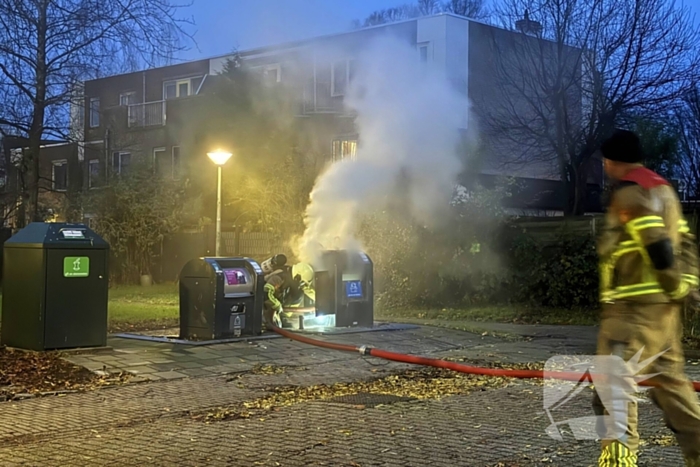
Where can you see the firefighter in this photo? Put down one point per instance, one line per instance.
(645, 277)
(272, 305)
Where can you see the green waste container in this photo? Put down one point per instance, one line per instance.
(55, 286)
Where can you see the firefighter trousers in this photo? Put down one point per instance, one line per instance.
(656, 330)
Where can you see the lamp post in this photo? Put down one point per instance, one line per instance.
(219, 158)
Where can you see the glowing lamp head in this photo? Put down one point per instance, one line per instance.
(219, 157)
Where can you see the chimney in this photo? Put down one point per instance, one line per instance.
(527, 26)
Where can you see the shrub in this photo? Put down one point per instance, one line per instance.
(563, 274)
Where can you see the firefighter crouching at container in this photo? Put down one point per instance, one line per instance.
(272, 305)
(648, 269)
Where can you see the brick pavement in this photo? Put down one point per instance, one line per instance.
(481, 429)
(154, 423)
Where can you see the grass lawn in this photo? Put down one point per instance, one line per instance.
(138, 308)
(498, 314)
(133, 302)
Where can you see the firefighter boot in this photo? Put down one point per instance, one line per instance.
(617, 454)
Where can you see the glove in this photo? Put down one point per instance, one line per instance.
(276, 319)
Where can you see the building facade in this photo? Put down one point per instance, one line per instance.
(141, 115)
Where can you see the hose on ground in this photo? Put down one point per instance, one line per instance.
(454, 366)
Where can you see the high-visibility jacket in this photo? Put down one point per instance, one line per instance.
(270, 297)
(647, 252)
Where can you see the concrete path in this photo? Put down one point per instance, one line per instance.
(174, 420)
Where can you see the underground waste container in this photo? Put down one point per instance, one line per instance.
(344, 288)
(221, 298)
(55, 288)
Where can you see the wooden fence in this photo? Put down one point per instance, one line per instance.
(180, 248)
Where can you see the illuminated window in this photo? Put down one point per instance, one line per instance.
(343, 149)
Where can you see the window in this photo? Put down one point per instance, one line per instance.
(351, 71)
(77, 107)
(161, 164)
(423, 53)
(344, 148)
(94, 112)
(127, 98)
(59, 175)
(272, 74)
(169, 90)
(340, 78)
(120, 162)
(176, 163)
(181, 87)
(93, 173)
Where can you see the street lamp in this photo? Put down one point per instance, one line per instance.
(219, 158)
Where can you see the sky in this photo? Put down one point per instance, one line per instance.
(226, 25)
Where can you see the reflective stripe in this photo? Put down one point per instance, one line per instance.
(681, 291)
(636, 290)
(691, 280)
(634, 233)
(649, 285)
(646, 222)
(617, 454)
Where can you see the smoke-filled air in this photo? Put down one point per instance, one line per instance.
(408, 116)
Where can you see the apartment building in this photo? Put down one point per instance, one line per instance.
(141, 115)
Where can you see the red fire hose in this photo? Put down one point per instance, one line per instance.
(454, 366)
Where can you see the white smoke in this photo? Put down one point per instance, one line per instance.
(408, 119)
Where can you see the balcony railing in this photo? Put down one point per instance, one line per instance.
(147, 114)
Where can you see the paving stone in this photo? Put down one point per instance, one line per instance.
(161, 360)
(169, 375)
(165, 366)
(137, 370)
(196, 372)
(132, 363)
(184, 365)
(151, 423)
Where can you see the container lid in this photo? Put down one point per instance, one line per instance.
(63, 235)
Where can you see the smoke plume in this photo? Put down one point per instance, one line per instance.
(408, 120)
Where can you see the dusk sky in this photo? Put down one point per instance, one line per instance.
(222, 25)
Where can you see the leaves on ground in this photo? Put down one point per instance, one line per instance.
(24, 373)
(143, 325)
(424, 383)
(261, 369)
(659, 440)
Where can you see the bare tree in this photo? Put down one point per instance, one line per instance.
(47, 47)
(474, 9)
(688, 118)
(589, 65)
